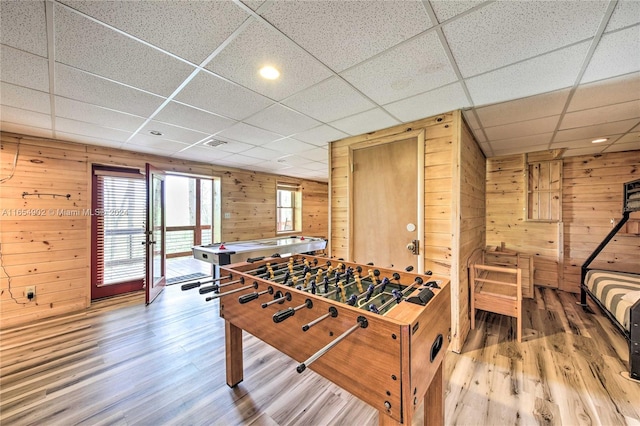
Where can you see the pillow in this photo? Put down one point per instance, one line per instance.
(632, 296)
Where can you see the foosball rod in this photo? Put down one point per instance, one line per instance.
(197, 284)
(217, 296)
(333, 312)
(418, 281)
(217, 287)
(362, 323)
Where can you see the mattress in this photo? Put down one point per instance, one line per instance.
(618, 292)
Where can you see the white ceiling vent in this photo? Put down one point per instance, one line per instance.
(213, 143)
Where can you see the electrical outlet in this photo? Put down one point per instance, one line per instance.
(227, 215)
(30, 293)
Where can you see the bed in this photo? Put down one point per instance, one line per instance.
(617, 293)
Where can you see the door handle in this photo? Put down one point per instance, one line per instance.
(414, 247)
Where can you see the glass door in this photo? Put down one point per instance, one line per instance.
(155, 231)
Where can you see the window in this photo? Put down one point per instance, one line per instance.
(288, 203)
(118, 216)
(544, 190)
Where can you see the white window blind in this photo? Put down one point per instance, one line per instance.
(120, 218)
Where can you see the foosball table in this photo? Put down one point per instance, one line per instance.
(378, 333)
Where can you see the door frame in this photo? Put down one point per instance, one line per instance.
(419, 135)
(154, 287)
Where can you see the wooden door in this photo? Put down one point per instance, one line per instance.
(385, 200)
(156, 231)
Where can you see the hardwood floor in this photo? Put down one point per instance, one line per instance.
(124, 363)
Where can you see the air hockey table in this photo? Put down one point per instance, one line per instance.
(220, 254)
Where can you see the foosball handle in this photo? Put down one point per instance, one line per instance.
(189, 286)
(283, 315)
(246, 298)
(209, 289)
(254, 259)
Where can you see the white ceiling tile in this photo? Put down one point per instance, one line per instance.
(80, 111)
(282, 120)
(154, 144)
(522, 128)
(173, 133)
(249, 134)
(231, 146)
(92, 47)
(88, 140)
(258, 46)
(414, 67)
(289, 146)
(196, 30)
(24, 26)
(596, 131)
(614, 55)
(262, 153)
(619, 147)
(294, 160)
(22, 97)
(627, 12)
(518, 143)
(220, 96)
(559, 68)
(575, 152)
(75, 84)
(345, 33)
(317, 166)
(605, 114)
(519, 149)
(317, 154)
(523, 109)
(374, 119)
(191, 118)
(583, 143)
(239, 160)
(447, 9)
(320, 135)
(606, 92)
(630, 137)
(271, 167)
(253, 4)
(202, 153)
(329, 100)
(24, 117)
(25, 130)
(24, 69)
(505, 32)
(434, 102)
(87, 129)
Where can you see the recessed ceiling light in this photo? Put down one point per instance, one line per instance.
(269, 72)
(214, 143)
(155, 133)
(600, 140)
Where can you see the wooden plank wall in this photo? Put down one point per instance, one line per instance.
(452, 158)
(592, 198)
(42, 245)
(472, 220)
(506, 219)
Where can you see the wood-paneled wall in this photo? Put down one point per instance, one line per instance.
(591, 199)
(45, 241)
(506, 218)
(454, 212)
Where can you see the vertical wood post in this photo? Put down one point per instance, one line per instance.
(233, 348)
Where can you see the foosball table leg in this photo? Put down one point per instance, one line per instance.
(434, 399)
(233, 347)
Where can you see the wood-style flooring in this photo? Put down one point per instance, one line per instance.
(124, 363)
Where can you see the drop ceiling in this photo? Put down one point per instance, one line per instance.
(529, 75)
